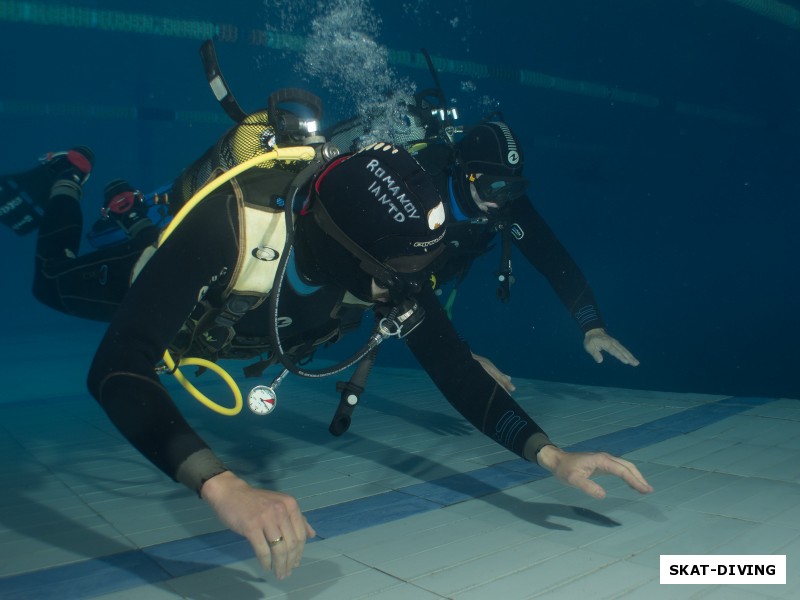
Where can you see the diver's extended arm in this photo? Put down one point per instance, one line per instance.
(124, 382)
(467, 386)
(123, 378)
(484, 403)
(548, 255)
(540, 246)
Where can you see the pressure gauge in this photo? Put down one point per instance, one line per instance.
(262, 399)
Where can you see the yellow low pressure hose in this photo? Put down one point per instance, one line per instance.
(303, 153)
(200, 396)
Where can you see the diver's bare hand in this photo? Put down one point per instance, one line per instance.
(575, 469)
(596, 341)
(271, 521)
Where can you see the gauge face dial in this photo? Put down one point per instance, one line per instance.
(261, 400)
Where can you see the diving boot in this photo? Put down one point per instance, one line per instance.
(124, 205)
(75, 164)
(23, 195)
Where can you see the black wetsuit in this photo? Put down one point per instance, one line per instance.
(529, 232)
(123, 380)
(91, 286)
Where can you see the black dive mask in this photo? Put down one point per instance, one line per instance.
(499, 189)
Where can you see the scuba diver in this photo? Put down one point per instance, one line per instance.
(482, 176)
(479, 174)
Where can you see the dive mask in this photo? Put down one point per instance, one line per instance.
(500, 190)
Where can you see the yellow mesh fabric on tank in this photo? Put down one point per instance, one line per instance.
(252, 137)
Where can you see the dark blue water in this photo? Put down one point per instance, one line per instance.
(684, 223)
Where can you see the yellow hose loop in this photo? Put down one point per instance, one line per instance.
(198, 395)
(305, 153)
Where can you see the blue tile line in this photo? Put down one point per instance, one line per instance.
(162, 562)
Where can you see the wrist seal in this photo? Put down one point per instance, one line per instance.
(534, 444)
(198, 468)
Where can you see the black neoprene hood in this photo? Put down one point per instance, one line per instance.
(491, 148)
(382, 201)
